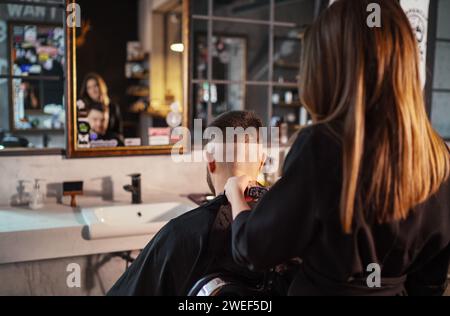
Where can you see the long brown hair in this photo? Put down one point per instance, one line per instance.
(366, 80)
(101, 85)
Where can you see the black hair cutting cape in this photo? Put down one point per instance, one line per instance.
(188, 248)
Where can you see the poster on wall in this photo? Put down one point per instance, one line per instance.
(417, 12)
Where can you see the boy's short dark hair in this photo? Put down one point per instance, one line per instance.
(238, 119)
(245, 126)
(244, 119)
(95, 106)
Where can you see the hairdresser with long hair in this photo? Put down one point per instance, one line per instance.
(93, 92)
(367, 185)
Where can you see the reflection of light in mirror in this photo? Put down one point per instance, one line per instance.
(177, 47)
(174, 119)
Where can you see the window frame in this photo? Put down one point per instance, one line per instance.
(39, 79)
(270, 84)
(61, 4)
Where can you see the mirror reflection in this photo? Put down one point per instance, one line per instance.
(129, 74)
(37, 57)
(32, 66)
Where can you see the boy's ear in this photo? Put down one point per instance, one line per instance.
(209, 156)
(212, 166)
(209, 152)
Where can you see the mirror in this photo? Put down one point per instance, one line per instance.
(127, 77)
(32, 65)
(37, 55)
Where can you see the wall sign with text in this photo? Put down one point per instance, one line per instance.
(417, 12)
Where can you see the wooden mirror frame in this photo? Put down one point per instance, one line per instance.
(71, 98)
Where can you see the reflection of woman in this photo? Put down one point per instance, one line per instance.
(365, 195)
(94, 90)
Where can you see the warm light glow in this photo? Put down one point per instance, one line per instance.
(177, 47)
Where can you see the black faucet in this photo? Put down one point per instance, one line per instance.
(134, 188)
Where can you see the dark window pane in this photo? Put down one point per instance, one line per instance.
(300, 12)
(17, 14)
(238, 44)
(200, 97)
(441, 113)
(37, 50)
(35, 45)
(248, 9)
(4, 105)
(4, 64)
(229, 58)
(200, 49)
(444, 19)
(256, 99)
(38, 104)
(442, 66)
(9, 138)
(286, 57)
(226, 98)
(286, 108)
(199, 7)
(223, 98)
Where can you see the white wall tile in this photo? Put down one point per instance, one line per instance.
(159, 174)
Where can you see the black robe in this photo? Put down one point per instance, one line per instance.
(299, 217)
(188, 248)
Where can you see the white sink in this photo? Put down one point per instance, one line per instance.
(129, 220)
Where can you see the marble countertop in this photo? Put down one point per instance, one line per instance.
(56, 231)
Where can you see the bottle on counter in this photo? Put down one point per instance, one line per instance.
(37, 196)
(21, 198)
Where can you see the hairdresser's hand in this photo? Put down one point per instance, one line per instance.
(234, 190)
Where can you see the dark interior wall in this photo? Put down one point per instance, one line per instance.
(113, 24)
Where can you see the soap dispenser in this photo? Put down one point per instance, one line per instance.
(37, 197)
(21, 198)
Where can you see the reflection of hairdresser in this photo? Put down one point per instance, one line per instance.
(96, 119)
(94, 90)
